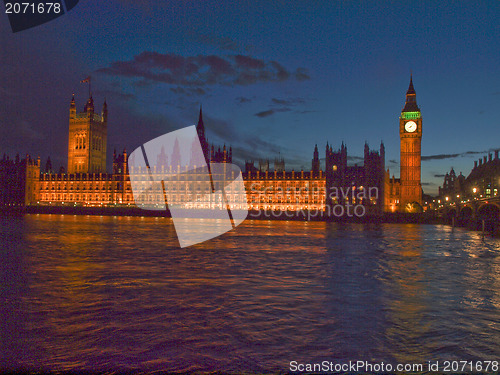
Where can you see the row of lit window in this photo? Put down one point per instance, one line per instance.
(71, 187)
(71, 197)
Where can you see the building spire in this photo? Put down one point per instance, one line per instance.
(201, 126)
(315, 160)
(90, 105)
(200, 129)
(411, 98)
(411, 90)
(200, 117)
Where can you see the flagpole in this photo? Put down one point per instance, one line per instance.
(87, 80)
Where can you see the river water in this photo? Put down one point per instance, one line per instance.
(118, 294)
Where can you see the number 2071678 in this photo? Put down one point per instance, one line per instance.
(32, 8)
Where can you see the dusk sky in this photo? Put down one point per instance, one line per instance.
(272, 76)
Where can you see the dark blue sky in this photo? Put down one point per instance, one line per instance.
(273, 77)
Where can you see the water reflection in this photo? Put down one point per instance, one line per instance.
(407, 296)
(118, 294)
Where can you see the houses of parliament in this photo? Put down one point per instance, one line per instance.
(87, 183)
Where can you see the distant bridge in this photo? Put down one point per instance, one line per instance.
(473, 212)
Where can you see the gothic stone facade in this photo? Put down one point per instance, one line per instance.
(369, 185)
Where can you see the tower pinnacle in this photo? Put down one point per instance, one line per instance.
(411, 89)
(200, 128)
(411, 98)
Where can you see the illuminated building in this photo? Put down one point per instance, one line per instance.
(405, 194)
(87, 139)
(482, 182)
(340, 184)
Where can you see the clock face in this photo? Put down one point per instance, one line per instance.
(410, 126)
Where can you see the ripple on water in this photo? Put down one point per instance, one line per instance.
(118, 294)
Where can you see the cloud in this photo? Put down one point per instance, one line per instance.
(242, 99)
(438, 175)
(265, 113)
(270, 112)
(200, 70)
(247, 62)
(452, 156)
(282, 105)
(439, 156)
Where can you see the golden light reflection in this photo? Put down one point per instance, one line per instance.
(408, 305)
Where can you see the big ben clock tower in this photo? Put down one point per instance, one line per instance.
(410, 134)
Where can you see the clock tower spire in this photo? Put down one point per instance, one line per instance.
(411, 98)
(410, 134)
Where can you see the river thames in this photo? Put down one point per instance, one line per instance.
(105, 293)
